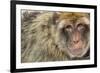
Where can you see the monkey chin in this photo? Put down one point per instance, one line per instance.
(77, 53)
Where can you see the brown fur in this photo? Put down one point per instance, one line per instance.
(39, 40)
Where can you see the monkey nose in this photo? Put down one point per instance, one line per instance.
(75, 41)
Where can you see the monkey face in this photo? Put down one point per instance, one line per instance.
(73, 36)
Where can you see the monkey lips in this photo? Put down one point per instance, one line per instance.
(76, 49)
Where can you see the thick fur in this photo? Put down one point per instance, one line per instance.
(39, 40)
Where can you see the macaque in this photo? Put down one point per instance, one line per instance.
(54, 36)
(73, 32)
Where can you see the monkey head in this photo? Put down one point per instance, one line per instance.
(72, 34)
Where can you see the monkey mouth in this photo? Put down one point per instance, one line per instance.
(76, 51)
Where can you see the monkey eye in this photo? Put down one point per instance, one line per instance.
(68, 28)
(81, 27)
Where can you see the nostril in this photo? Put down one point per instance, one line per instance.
(76, 41)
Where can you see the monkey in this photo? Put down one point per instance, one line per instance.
(74, 29)
(57, 36)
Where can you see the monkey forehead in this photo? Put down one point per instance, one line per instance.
(65, 15)
(83, 20)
